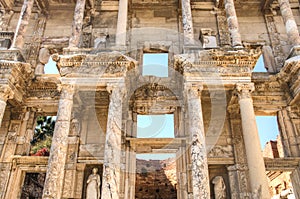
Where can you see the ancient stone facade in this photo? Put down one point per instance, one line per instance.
(210, 89)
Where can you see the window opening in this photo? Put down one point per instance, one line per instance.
(155, 126)
(269, 136)
(42, 137)
(155, 64)
(156, 176)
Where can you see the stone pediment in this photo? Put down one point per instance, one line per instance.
(106, 64)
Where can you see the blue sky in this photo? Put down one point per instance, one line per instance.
(155, 64)
(267, 129)
(155, 126)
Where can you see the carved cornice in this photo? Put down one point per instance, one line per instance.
(16, 75)
(6, 35)
(224, 63)
(5, 93)
(11, 55)
(103, 64)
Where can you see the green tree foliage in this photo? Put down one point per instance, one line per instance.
(42, 138)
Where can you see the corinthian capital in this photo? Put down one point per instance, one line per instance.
(116, 88)
(244, 90)
(5, 93)
(193, 90)
(67, 90)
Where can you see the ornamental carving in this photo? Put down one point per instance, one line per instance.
(113, 63)
(5, 93)
(225, 63)
(221, 151)
(154, 91)
(244, 90)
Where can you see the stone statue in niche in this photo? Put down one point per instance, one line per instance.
(93, 185)
(219, 187)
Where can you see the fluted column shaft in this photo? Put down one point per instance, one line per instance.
(233, 24)
(18, 41)
(289, 21)
(256, 165)
(112, 156)
(187, 22)
(200, 176)
(59, 147)
(122, 23)
(77, 24)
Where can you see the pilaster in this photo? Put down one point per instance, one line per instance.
(257, 172)
(58, 154)
(112, 158)
(200, 178)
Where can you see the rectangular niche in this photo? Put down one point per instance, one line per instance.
(87, 172)
(33, 185)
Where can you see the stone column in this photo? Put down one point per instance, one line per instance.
(187, 22)
(18, 41)
(5, 94)
(290, 23)
(233, 24)
(256, 165)
(112, 156)
(122, 23)
(77, 24)
(58, 153)
(200, 177)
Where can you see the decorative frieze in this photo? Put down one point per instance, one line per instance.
(105, 64)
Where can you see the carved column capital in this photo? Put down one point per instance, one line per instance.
(244, 90)
(67, 90)
(193, 90)
(115, 87)
(5, 93)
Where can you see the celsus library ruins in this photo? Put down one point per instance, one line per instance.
(149, 99)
